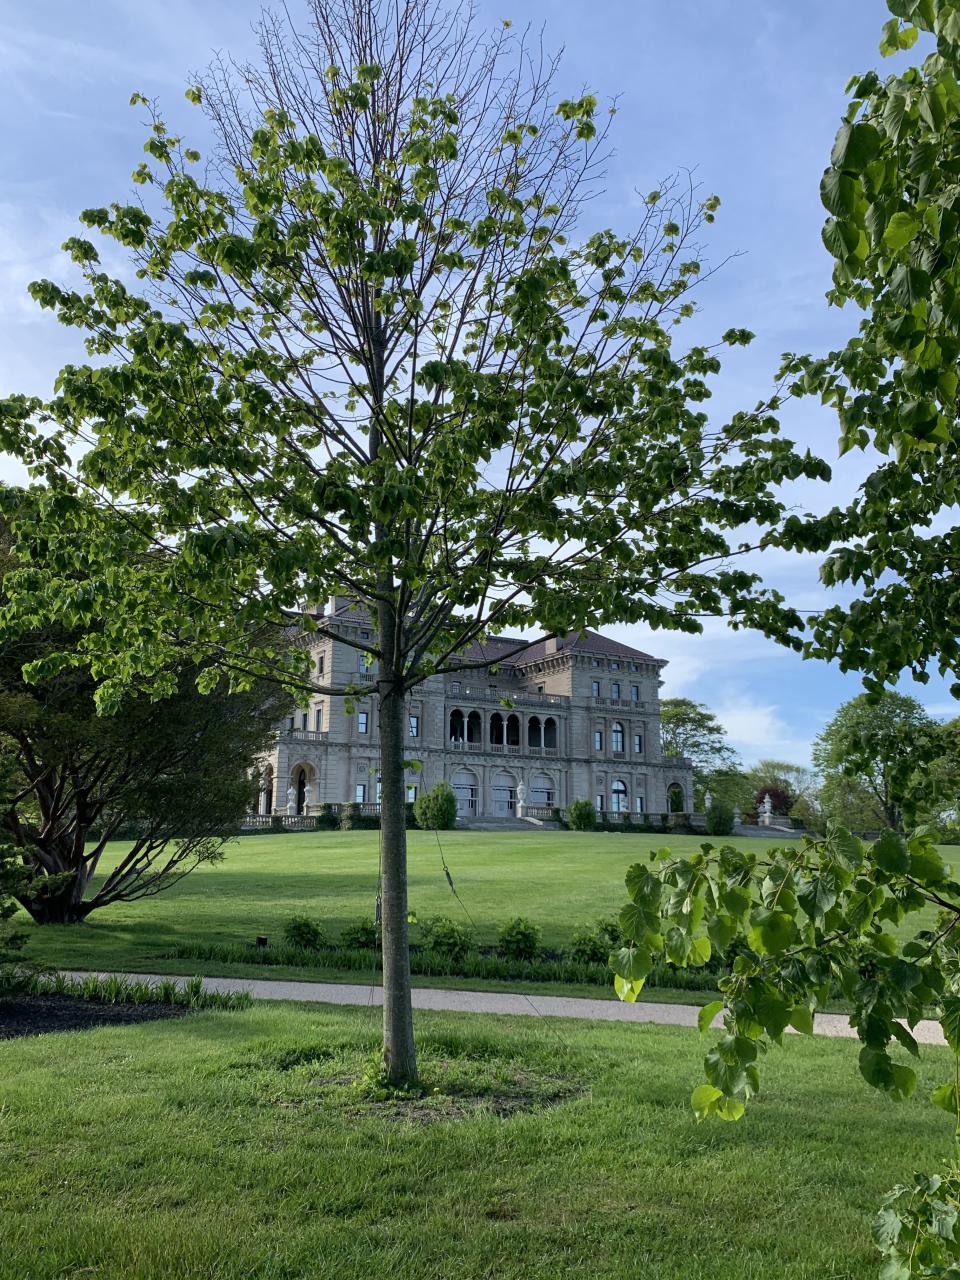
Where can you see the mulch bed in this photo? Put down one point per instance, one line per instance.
(36, 1015)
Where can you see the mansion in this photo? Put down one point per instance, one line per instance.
(564, 719)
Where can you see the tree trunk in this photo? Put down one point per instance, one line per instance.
(399, 1052)
(63, 905)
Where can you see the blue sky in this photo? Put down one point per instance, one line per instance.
(745, 92)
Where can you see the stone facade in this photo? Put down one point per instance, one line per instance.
(572, 718)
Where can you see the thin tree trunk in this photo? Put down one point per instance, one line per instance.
(399, 1052)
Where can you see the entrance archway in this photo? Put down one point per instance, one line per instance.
(464, 784)
(676, 802)
(504, 789)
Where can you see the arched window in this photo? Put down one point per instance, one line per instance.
(616, 736)
(513, 731)
(675, 799)
(550, 733)
(496, 729)
(618, 796)
(534, 732)
(542, 790)
(474, 727)
(457, 726)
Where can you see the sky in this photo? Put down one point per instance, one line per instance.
(746, 93)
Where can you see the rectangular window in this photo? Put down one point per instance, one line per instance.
(363, 722)
(379, 790)
(638, 744)
(639, 803)
(598, 803)
(614, 690)
(364, 635)
(414, 726)
(596, 688)
(318, 719)
(539, 688)
(303, 720)
(634, 693)
(411, 792)
(455, 686)
(363, 662)
(290, 723)
(598, 739)
(614, 666)
(360, 795)
(321, 664)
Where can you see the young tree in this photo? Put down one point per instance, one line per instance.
(369, 357)
(886, 743)
(690, 729)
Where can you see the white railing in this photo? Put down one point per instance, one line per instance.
(303, 735)
(520, 698)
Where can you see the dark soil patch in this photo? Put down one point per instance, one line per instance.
(36, 1015)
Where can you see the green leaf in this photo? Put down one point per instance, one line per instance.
(626, 990)
(704, 1098)
(730, 1109)
(772, 931)
(700, 951)
(840, 237)
(950, 1022)
(707, 1014)
(801, 1019)
(855, 146)
(838, 192)
(890, 853)
(901, 229)
(632, 963)
(945, 1097)
(909, 285)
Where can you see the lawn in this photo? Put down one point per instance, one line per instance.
(212, 1147)
(559, 879)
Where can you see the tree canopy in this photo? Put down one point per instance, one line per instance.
(364, 354)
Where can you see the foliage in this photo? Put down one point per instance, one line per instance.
(592, 945)
(894, 233)
(887, 743)
(520, 939)
(690, 729)
(361, 935)
(436, 810)
(115, 988)
(781, 802)
(364, 354)
(581, 815)
(719, 820)
(301, 931)
(446, 939)
(796, 779)
(807, 919)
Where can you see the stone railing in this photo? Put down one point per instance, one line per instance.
(521, 698)
(303, 735)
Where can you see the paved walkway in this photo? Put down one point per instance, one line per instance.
(672, 1015)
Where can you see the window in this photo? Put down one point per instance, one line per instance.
(618, 796)
(321, 664)
(303, 720)
(539, 688)
(598, 803)
(594, 662)
(614, 666)
(363, 662)
(363, 722)
(290, 724)
(634, 693)
(638, 744)
(415, 726)
(379, 790)
(411, 792)
(360, 795)
(318, 719)
(455, 686)
(639, 803)
(364, 635)
(598, 739)
(616, 736)
(615, 690)
(596, 688)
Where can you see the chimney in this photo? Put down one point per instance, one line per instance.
(336, 603)
(554, 645)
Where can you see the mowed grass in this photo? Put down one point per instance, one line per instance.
(558, 879)
(207, 1148)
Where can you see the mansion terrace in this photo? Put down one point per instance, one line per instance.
(571, 718)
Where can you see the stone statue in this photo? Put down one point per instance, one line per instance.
(736, 816)
(707, 801)
(767, 811)
(291, 799)
(521, 798)
(307, 797)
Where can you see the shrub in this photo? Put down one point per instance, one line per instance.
(719, 819)
(581, 815)
(446, 939)
(593, 944)
(349, 817)
(781, 801)
(436, 810)
(362, 936)
(303, 932)
(519, 939)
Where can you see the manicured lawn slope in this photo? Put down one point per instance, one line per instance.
(559, 879)
(203, 1149)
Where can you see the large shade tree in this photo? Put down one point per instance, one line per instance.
(376, 348)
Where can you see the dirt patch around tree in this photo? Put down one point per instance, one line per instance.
(36, 1015)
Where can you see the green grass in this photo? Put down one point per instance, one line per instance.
(210, 1149)
(559, 879)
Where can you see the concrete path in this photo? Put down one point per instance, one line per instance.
(672, 1015)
